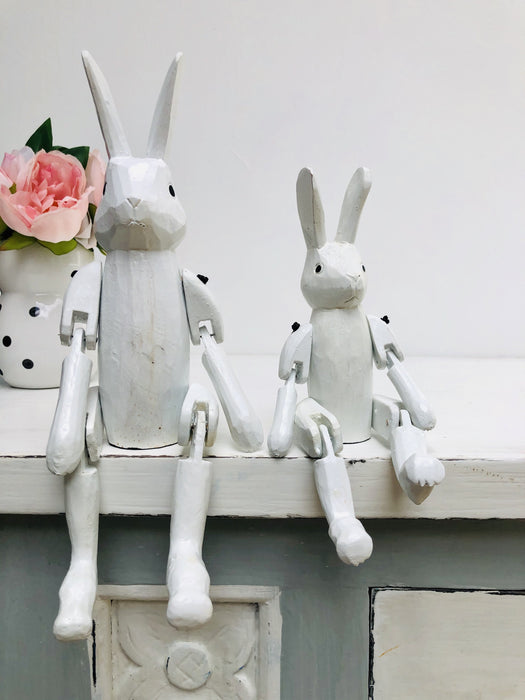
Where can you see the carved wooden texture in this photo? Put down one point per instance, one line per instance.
(139, 656)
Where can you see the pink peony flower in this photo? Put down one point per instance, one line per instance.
(51, 198)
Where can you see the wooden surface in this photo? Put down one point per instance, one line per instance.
(456, 644)
(480, 404)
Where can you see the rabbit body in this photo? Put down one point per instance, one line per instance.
(144, 337)
(334, 284)
(340, 376)
(143, 348)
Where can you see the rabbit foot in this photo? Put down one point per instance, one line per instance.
(424, 470)
(77, 596)
(187, 609)
(353, 544)
(188, 583)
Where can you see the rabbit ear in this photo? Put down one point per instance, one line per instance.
(355, 198)
(310, 210)
(112, 131)
(160, 126)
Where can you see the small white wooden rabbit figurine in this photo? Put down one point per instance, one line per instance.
(143, 310)
(334, 353)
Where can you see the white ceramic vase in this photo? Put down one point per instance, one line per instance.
(32, 283)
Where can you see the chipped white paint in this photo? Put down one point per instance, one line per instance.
(342, 345)
(144, 315)
(484, 453)
(236, 654)
(459, 644)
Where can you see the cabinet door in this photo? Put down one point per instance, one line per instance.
(436, 644)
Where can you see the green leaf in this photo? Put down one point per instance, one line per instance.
(12, 240)
(3, 227)
(42, 137)
(59, 248)
(92, 210)
(79, 152)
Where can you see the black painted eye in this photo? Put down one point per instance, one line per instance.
(363, 268)
(172, 191)
(318, 268)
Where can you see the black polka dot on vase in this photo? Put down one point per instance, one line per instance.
(1, 373)
(74, 273)
(6, 340)
(0, 307)
(28, 364)
(34, 311)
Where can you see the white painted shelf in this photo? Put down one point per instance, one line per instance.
(480, 437)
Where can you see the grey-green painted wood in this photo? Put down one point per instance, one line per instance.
(325, 605)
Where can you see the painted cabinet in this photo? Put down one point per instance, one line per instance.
(436, 612)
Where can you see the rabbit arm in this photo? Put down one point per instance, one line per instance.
(294, 366)
(295, 354)
(205, 326)
(78, 329)
(201, 308)
(81, 304)
(388, 355)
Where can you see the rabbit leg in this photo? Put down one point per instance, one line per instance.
(352, 542)
(309, 416)
(187, 579)
(74, 440)
(78, 590)
(416, 470)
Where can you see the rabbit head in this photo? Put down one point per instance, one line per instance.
(139, 209)
(334, 276)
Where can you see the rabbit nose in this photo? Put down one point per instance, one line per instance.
(134, 201)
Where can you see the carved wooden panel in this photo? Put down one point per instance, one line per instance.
(448, 644)
(137, 655)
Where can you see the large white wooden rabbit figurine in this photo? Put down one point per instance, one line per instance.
(142, 310)
(334, 353)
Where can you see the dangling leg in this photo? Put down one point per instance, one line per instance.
(78, 590)
(416, 470)
(74, 440)
(315, 426)
(187, 579)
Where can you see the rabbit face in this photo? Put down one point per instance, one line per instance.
(139, 209)
(333, 277)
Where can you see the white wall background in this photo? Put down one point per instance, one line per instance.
(430, 95)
